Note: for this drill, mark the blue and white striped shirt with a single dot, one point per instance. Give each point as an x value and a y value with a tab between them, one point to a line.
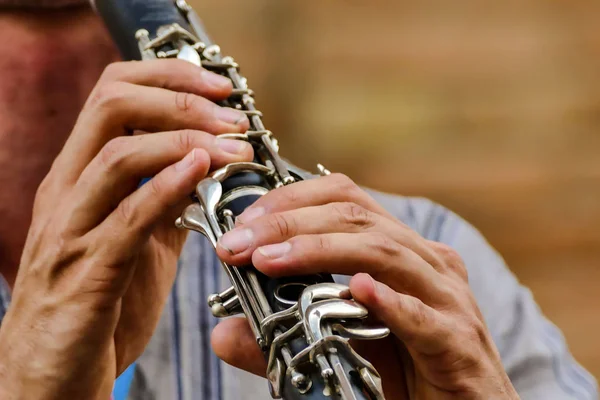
178	364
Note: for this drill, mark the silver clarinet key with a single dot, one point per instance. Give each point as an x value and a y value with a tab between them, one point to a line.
303	324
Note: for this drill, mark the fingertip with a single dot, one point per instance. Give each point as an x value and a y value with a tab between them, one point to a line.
268	266
243	124
227	337
185	174
219	339
202	155
234	149
232	341
247	152
363	289
219	84
201	163
223	253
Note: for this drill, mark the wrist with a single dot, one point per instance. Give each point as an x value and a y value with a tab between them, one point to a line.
44	366
18	383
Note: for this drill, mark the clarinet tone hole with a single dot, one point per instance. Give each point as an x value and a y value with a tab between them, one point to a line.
289	293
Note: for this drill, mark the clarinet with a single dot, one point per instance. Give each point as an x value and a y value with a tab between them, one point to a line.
302	324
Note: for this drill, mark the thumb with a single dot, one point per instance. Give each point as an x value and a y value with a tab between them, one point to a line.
233	342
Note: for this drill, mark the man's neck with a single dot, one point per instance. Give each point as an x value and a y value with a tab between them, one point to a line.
49	65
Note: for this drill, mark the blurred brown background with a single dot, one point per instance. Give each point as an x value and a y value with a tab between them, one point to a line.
490	108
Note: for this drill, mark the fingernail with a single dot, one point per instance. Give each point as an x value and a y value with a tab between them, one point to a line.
274	251
232	146
230	115
236	241
215	80
250	213
186	162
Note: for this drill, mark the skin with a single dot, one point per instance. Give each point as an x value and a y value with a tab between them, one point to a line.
418	288
93	271
35	94
100	255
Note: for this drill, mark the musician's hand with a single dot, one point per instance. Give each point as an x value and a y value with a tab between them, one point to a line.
101	253
418	288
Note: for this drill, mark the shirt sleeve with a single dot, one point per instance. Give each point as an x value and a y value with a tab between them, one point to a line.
533	350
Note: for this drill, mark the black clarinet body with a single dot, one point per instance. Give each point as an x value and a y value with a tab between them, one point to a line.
303	324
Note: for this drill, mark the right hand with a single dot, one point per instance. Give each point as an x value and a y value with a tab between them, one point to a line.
101	253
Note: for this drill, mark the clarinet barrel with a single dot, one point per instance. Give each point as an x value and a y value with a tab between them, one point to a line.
303	324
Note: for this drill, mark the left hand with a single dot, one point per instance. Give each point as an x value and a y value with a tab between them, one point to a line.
101	252
418	288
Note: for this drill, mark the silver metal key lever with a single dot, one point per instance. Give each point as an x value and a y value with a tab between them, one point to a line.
225	304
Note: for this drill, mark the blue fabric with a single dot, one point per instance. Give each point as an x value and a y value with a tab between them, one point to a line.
123	383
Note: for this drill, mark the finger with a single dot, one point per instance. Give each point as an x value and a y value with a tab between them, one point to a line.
349	254
127	107
313	192
412	321
123	107
236	247
173	74
124	161
233	342
130	224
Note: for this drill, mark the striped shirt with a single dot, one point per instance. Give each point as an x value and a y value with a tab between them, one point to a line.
178	364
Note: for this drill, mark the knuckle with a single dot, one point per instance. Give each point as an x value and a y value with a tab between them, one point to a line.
63	247
45	198
343	183
185	102
451	258
156	187
447	252
44	188
114	71
185	140
58	254
323	244
353	214
126	212
108	95
382	243
113	154
419	316
283	225
287	195
161	190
